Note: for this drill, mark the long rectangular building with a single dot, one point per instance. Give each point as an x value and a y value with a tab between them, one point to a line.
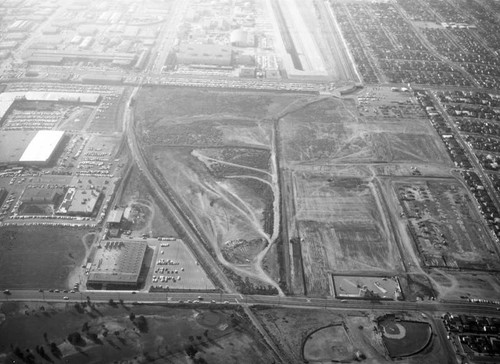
7	99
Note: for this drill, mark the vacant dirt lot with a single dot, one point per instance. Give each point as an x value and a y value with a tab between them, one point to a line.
342	229
160	104
39	257
226	208
332	131
136	192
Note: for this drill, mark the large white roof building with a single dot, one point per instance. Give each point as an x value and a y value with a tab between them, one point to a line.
42	146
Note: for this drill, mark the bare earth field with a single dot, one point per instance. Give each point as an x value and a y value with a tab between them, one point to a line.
228	209
153	102
332	131
40	257
342	229
464	285
333	151
108	335
217	155
136	193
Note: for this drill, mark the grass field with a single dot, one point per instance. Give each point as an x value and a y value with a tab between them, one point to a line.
342	229
171	335
39	257
290	329
328	344
405	338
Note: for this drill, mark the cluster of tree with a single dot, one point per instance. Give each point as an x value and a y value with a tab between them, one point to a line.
140	322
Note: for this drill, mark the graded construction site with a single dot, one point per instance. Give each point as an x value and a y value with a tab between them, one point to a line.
296	192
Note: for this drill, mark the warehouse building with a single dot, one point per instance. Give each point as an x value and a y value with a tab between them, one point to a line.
58	56
205	54
42	147
8	99
29	147
13	144
117	265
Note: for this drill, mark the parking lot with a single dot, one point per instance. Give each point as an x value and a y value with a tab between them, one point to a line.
175	268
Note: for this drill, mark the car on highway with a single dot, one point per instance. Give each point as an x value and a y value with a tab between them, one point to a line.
65	298
6	291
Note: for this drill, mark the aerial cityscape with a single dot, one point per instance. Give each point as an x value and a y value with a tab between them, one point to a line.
250	181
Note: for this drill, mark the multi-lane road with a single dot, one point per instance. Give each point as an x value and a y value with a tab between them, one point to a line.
189	298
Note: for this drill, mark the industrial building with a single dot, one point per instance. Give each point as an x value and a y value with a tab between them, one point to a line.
39	196
205	54
8	99
115	217
79	202
29	148
117	264
42	147
114	221
13	144
57	57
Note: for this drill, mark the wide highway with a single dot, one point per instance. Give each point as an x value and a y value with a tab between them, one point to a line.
229	299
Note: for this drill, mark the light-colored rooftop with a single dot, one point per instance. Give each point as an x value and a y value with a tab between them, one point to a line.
115	216
42	146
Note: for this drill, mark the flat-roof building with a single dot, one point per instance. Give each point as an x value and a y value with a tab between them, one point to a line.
29	147
205	54
7	99
117	264
115	216
80	202
13	144
42	147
